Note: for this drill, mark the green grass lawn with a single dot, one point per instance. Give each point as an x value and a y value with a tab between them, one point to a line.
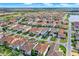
31	34
44	39
37	36
53	39
72	36
6	51
63	40
41	41
63	49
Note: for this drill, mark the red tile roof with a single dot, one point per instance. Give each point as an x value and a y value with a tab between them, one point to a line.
61	31
8	39
41	47
42	23
3	23
15	40
13	20
53	52
17	26
36	29
18	42
27	46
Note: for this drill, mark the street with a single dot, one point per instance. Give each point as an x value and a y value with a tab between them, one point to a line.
68	53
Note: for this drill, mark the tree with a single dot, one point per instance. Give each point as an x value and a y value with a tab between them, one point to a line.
63	48
4	28
19	32
34	52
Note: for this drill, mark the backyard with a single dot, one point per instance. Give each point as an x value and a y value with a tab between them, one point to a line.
6	51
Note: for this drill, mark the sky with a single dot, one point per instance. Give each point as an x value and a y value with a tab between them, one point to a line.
39	5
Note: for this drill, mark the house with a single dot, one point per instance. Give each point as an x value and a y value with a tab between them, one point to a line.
65	22
36	30
3	23
77	35
17	42
1	35
1	38
77	45
65	26
74	53
26	28
13	20
42	48
8	39
54	32
16	26
14	41
27	47
52	51
56	23
76	25
61	34
41	23
44	31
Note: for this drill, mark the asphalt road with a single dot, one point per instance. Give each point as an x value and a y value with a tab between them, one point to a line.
69	41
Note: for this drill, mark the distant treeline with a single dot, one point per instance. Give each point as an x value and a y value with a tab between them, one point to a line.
38	9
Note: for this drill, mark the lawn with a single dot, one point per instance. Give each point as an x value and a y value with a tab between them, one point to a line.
63	40
53	39
44	38
31	34
63	49
37	36
41	41
73	43
32	39
6	51
72	36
